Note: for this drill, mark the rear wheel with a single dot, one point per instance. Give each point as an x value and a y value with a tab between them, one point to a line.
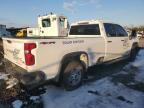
72	75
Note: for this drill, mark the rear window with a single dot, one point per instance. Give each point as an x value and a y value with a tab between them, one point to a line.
92	29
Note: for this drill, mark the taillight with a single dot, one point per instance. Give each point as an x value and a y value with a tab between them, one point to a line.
29	57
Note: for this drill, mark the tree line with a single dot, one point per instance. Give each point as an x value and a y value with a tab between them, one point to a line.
137	28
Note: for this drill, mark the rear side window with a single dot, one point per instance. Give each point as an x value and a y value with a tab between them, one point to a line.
46	23
110	30
92	29
120	31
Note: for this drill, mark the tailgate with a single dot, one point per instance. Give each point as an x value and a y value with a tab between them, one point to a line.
14	51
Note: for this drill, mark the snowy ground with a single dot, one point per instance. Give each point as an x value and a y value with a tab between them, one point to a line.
99	94
124	88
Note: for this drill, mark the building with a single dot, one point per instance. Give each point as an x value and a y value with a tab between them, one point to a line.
3	31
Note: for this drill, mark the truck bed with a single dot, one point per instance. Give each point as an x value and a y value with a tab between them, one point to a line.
49	51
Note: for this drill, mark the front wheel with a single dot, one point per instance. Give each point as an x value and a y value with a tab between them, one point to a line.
133	53
72	75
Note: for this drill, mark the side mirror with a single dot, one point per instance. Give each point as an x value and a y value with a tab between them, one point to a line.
133	34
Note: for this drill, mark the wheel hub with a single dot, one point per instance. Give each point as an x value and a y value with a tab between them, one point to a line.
75	77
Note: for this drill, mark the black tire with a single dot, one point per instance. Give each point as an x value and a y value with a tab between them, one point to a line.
73	74
133	53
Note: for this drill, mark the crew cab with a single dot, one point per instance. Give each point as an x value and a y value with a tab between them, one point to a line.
66	58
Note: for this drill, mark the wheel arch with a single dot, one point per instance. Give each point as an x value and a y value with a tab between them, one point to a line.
135	44
73	56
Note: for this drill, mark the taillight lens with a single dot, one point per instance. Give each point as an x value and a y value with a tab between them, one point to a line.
29	46
29	57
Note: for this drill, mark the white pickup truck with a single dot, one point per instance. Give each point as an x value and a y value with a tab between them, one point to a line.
66	58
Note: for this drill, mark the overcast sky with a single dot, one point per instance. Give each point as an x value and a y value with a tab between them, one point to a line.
18	13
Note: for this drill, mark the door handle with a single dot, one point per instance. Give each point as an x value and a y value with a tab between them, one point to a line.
109	41
122	40
9	41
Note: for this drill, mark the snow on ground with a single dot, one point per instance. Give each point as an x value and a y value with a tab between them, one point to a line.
140	64
17	104
102	93
140	75
3	76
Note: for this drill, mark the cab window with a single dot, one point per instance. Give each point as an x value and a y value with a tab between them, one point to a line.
114	30
120	32
92	29
110	30
46	23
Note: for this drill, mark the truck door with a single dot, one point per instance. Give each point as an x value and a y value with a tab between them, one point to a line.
123	37
45	28
114	47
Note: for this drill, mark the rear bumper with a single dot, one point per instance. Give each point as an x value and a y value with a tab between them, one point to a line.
30	79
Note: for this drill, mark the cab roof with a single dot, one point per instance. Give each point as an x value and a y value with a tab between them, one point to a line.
51	15
85	22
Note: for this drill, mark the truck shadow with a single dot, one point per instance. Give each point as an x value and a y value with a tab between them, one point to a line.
100	71
97	72
119	72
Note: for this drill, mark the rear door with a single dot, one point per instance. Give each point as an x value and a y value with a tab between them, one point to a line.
114	48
